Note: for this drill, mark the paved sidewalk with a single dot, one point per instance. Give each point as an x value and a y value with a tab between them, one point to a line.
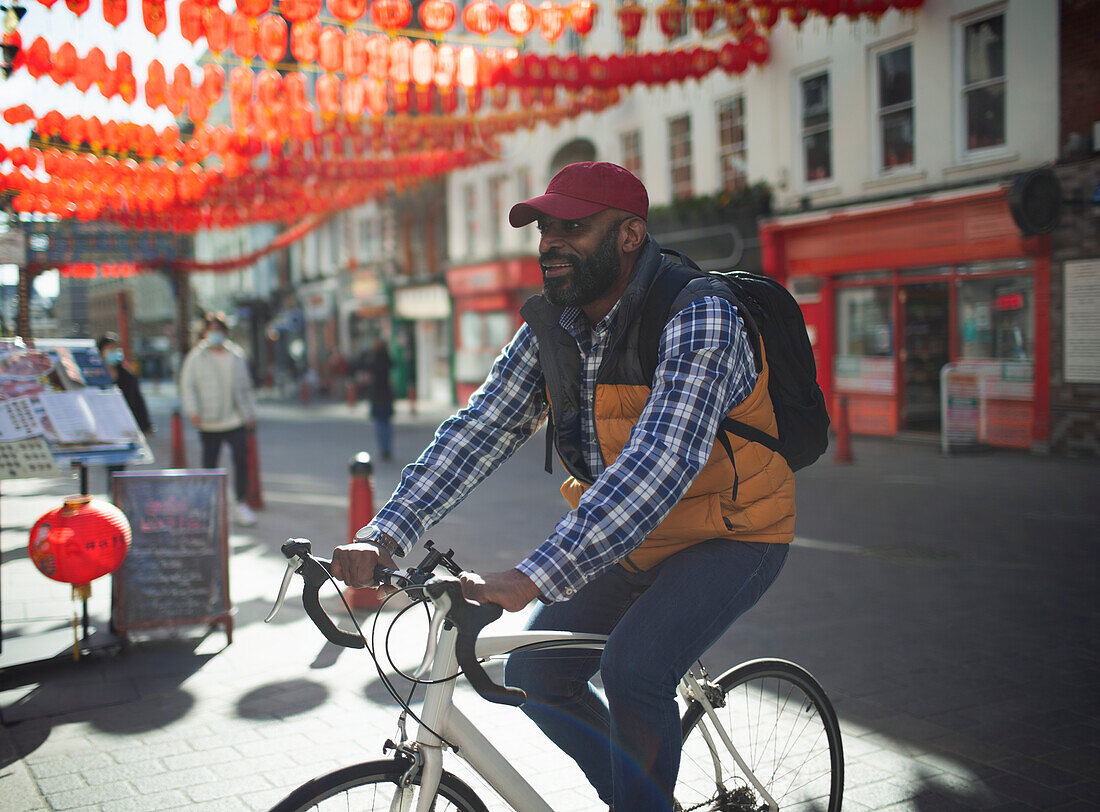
948	605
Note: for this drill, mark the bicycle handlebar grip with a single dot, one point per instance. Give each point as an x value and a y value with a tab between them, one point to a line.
470	618
315	573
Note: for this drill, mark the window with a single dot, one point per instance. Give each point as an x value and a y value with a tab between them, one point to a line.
496	211
523	183
679	156
865	322
731	143
895	107
983	83
817	145
632	152
469	211
995	318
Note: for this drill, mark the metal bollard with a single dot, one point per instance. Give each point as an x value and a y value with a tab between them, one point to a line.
179	453
352	394
303	393
843	433
360	511
255	496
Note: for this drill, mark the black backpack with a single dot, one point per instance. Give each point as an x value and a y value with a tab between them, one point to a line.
771	315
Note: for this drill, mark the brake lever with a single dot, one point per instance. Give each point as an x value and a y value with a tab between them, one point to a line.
315	573
290	570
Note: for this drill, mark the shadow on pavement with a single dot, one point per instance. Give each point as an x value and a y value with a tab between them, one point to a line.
278	700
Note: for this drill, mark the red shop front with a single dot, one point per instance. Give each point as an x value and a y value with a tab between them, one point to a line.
894	292
487	299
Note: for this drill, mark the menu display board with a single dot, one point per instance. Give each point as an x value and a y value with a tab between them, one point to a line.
59	393
177	570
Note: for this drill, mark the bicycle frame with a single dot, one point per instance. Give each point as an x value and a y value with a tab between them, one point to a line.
440	714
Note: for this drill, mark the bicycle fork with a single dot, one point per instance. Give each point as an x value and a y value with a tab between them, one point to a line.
693	690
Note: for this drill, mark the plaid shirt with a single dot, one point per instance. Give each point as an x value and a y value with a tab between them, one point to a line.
705	368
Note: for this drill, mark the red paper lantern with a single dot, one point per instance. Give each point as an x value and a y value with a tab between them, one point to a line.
391	15
191	16
80	541
253	8
582	16
244	35
438	16
154	15
347	11
331	49
518	18
481	17
355	53
328	95
378	56
704	15
272	34
305	41
670	18
299	11
422	65
114	11
215	23
552	18
77	7
631	15
401	62
353	97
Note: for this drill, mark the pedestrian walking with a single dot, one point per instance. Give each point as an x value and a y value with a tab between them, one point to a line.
114	358
378	373
217	397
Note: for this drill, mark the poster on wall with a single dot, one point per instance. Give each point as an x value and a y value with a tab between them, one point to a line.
1082	330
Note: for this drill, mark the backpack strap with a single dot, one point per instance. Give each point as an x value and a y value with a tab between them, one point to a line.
750	433
670	280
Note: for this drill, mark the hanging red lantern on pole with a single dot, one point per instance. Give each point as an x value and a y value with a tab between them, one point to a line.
355	53
215	23
391	15
670	18
154	15
77	7
481	16
253	8
378	56
631	16
348	11
272	37
704	15
438	16
305	41
582	16
299	11
114	11
328	96
518	18
191	14
80	541
552	19
331	49
244	36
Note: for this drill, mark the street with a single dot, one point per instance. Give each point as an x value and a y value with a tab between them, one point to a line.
946	604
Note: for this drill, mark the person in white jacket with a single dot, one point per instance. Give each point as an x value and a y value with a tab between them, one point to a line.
217	397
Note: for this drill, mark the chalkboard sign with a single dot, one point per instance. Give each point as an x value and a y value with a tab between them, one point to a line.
177	570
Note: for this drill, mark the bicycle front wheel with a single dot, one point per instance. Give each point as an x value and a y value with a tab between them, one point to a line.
785	729
375	787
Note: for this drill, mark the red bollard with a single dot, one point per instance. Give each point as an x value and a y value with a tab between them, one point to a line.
360	511
255	496
843	433
412	399
179	455
352	395
303	393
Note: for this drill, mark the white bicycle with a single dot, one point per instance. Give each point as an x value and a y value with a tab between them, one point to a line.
762	736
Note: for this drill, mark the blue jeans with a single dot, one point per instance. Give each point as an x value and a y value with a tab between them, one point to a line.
659	623
383	435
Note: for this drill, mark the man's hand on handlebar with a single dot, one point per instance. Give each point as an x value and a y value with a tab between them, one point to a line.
511	589
354	564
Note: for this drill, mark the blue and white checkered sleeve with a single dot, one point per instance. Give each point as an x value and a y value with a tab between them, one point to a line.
502	414
705	369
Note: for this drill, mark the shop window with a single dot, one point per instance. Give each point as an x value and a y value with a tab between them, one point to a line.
865	322
632	152
482	336
817	148
469	211
983	83
679	156
731	143
996	318
895	107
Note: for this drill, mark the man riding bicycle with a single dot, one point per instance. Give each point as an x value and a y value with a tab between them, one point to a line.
669	537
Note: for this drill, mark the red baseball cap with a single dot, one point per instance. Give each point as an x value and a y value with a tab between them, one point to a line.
582	189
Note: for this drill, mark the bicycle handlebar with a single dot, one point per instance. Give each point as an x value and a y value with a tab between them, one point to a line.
445	592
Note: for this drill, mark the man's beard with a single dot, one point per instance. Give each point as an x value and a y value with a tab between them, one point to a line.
592	275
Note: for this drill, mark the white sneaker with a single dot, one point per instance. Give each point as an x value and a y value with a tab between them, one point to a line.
245	517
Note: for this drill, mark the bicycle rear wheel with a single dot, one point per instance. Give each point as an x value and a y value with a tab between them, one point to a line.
783	726
374	787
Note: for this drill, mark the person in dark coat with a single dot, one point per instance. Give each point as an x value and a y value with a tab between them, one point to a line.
114	357
378	367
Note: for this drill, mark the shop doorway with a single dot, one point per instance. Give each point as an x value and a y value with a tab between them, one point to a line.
925	328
